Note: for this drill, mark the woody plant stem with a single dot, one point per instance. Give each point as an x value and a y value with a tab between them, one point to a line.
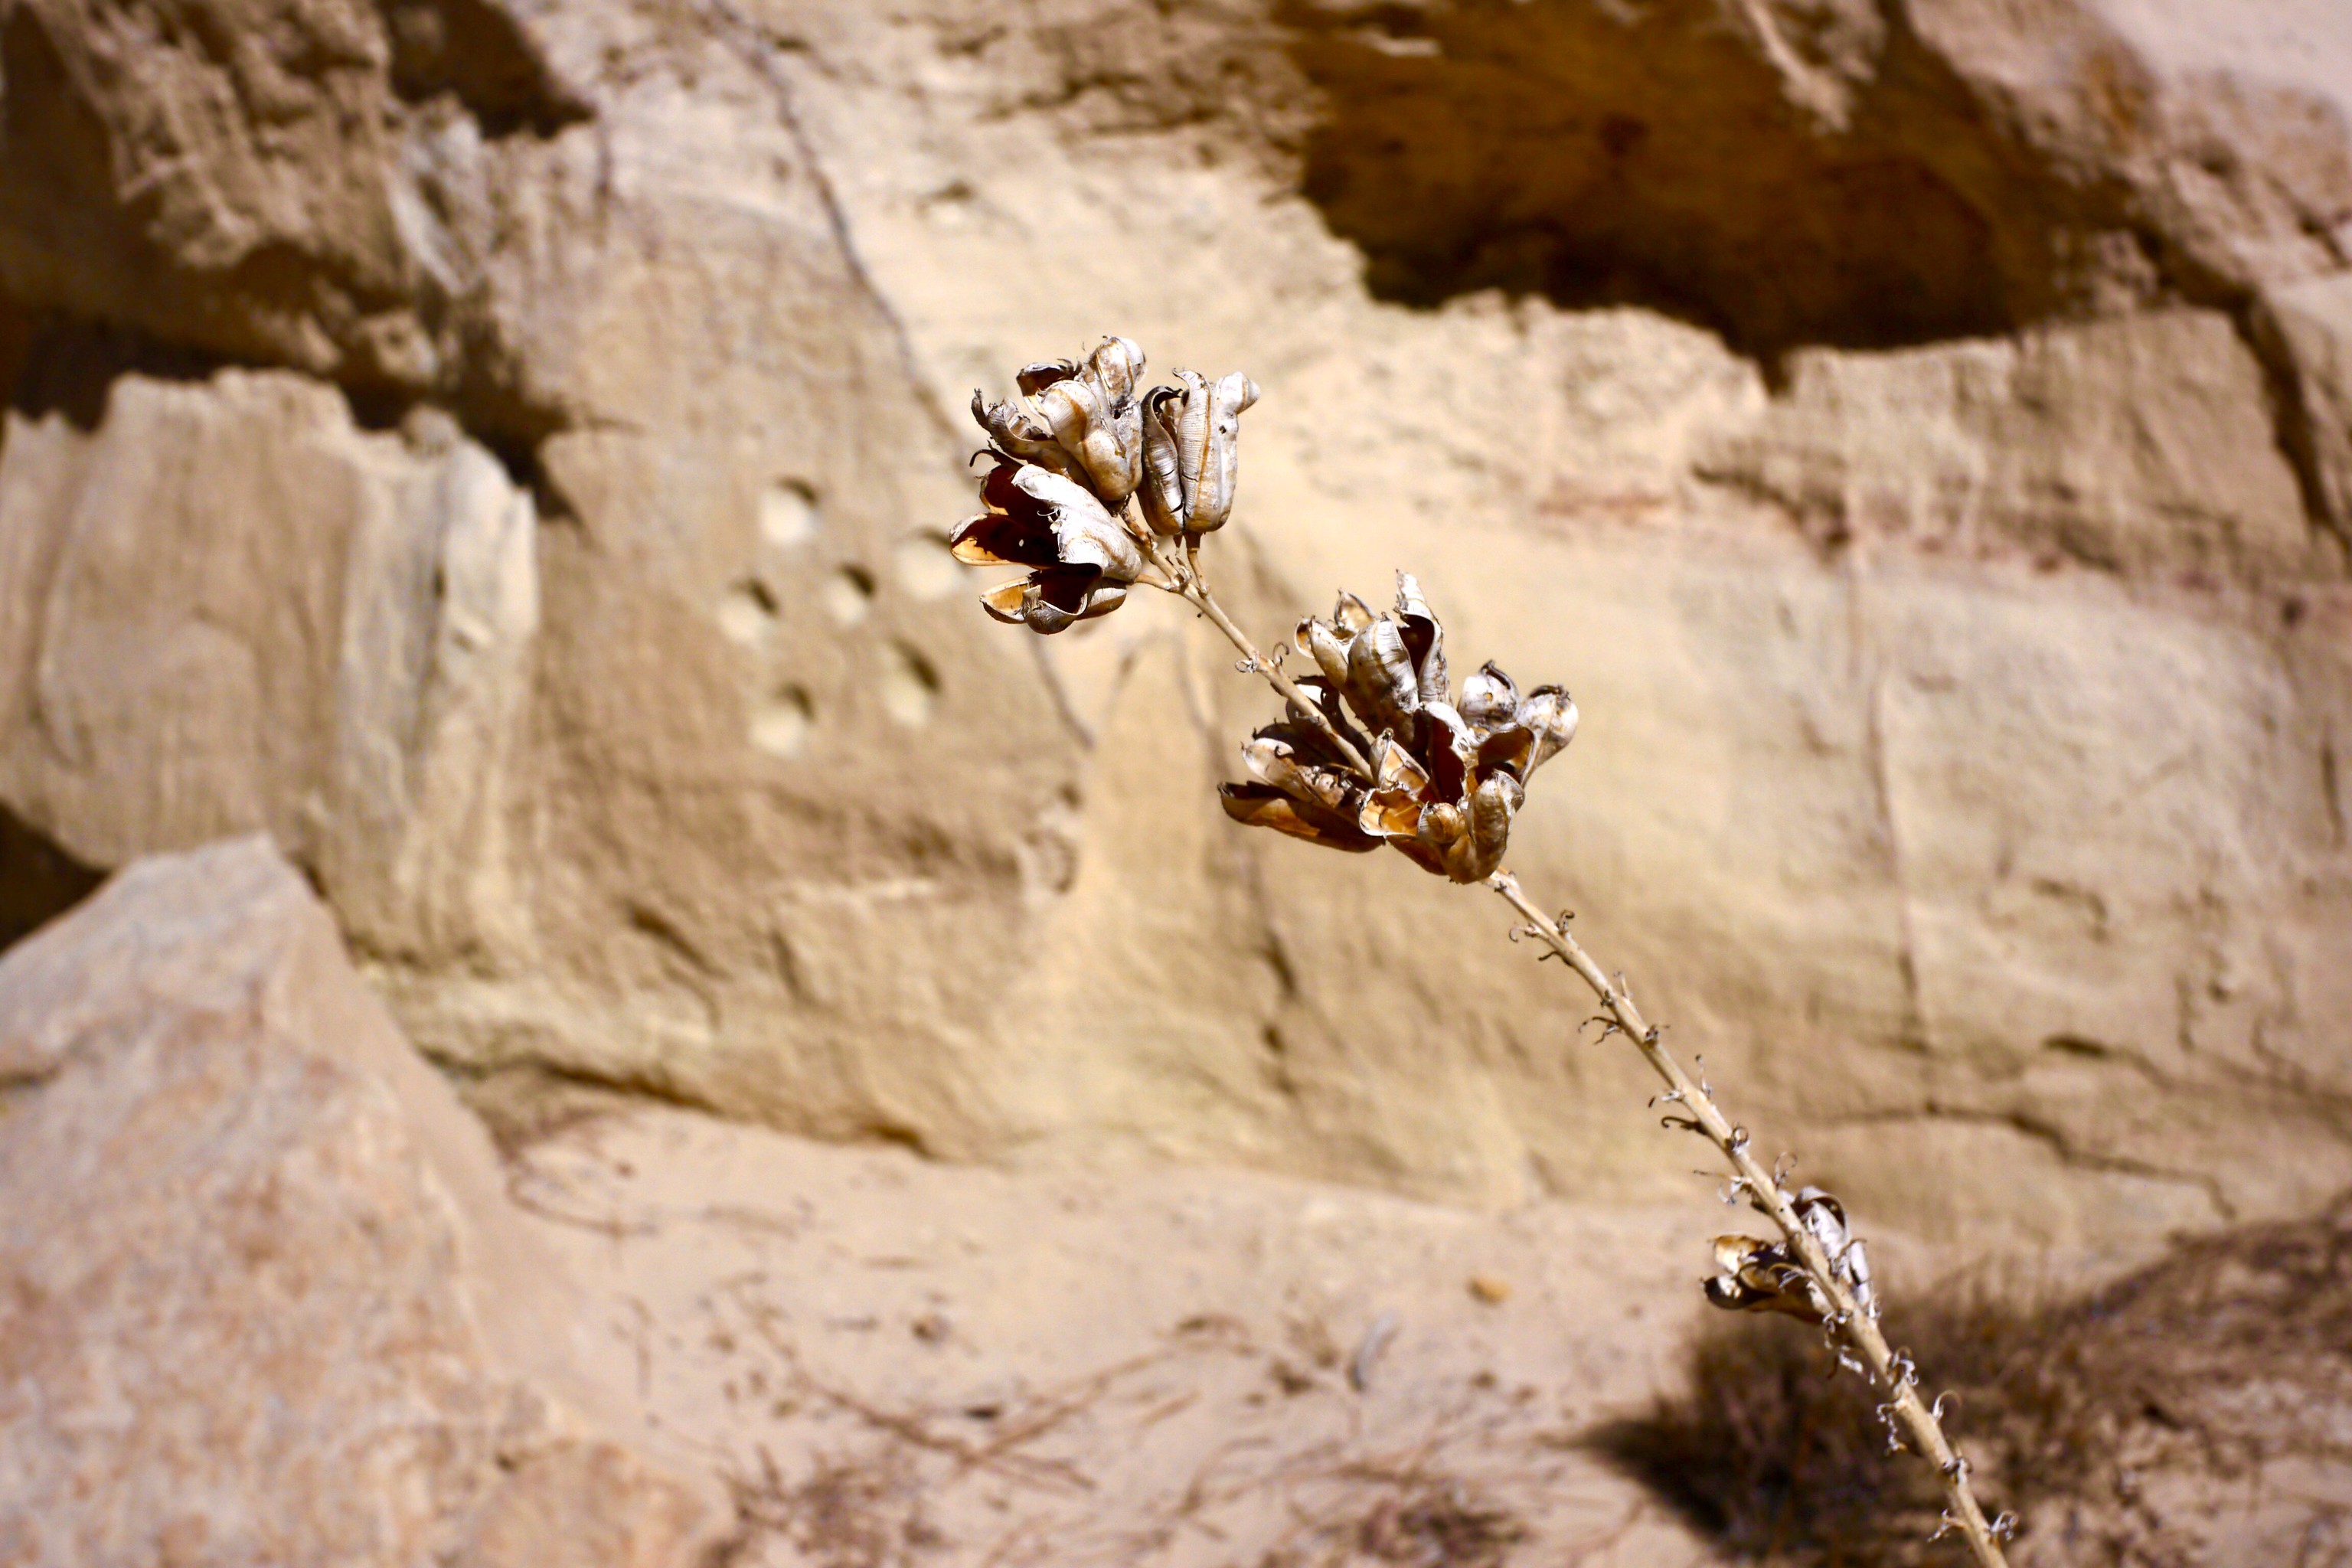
1855	1326
1847	1319
1184	581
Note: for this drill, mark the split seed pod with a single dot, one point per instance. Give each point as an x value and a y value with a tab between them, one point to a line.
1080	556
1191	442
1754	1276
1490	698
1016	431
1303	787
1079	419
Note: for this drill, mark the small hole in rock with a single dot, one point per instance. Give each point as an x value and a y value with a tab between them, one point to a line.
925	568
748	614
848	594
781	724
788	514
911	687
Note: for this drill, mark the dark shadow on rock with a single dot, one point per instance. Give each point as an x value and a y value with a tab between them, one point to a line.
51	364
16	342
475	51
68	367
38	879
1607	155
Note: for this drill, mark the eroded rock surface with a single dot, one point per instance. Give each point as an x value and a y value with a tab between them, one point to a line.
312	183
1855	173
262	1294
1917	433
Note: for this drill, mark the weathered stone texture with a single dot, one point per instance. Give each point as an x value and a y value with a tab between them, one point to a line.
300	181
1917	433
262	1298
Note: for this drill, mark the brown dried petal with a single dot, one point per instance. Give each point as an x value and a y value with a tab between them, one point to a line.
1017	528
1013	431
1755	1276
1443	830
1394	768
1262	805
1277	762
1034	378
1006	601
1065	597
1305	740
1400	790
1115	367
1424	639
1327	703
1392	817
1085	427
1450	753
1084	533
1736	1259
1381	686
1186	411
1210	496
1056	599
1162	484
1492	806
1350	614
1505	751
1001	539
1490	698
1550	714
1323	642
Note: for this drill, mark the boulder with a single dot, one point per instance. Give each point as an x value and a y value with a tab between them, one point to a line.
266	1299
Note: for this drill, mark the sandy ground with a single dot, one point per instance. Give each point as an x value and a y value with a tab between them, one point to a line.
894	1361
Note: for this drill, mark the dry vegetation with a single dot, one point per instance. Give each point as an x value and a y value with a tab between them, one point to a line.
2197	1412
873	1502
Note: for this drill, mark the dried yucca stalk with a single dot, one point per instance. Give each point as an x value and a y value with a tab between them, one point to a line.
1380	747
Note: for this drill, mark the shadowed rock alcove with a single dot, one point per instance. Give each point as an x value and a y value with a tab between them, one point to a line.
38	879
1840	187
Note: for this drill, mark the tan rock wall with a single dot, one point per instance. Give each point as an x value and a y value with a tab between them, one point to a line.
245	614
1963	712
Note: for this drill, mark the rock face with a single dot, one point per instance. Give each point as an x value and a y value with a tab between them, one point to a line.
1853	172
265	1299
512	473
303	182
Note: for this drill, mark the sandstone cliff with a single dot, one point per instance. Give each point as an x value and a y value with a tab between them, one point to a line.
500	448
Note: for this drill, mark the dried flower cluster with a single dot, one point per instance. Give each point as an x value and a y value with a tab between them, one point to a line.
1094	486
1447	777
1070	452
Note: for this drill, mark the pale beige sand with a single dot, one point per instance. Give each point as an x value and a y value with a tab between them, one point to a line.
1145	1365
